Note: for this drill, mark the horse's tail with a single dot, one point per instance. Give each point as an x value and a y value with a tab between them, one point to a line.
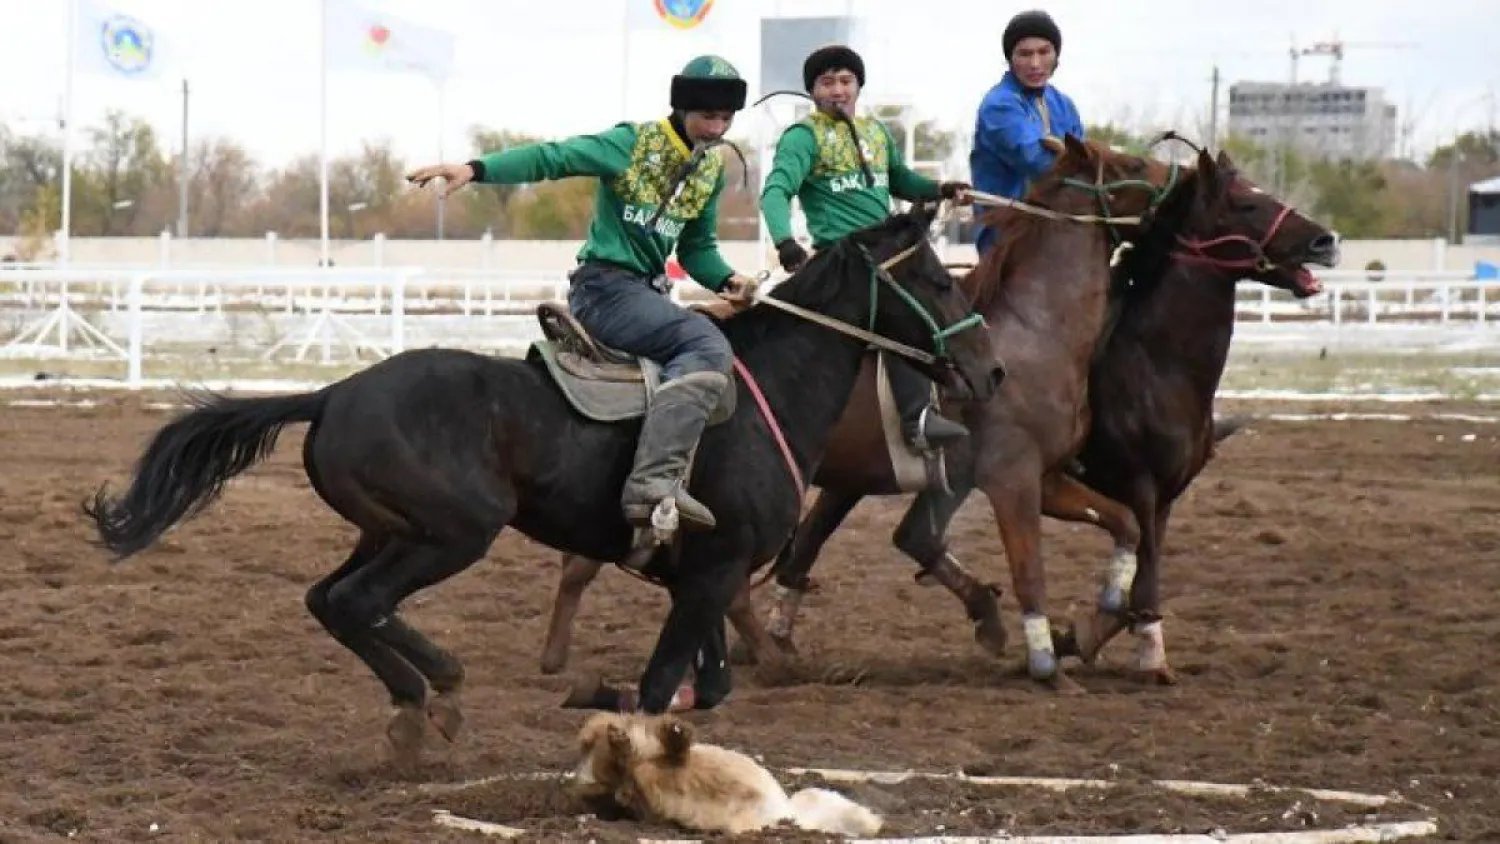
187	463
1227	426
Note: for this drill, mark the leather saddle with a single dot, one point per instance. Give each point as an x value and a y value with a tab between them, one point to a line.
579	354
603	383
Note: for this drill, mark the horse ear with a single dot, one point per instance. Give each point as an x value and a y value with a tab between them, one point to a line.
1077	147
1208	175
1225	163
1053	145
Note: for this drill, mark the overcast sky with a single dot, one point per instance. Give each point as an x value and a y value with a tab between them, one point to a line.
555	68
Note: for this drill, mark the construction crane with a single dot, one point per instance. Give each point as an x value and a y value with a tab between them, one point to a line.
1334	48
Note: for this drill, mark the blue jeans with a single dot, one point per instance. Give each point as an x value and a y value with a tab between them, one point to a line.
623	311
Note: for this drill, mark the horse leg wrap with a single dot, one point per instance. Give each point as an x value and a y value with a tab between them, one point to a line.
783	613
1117	584
1151	647
1041	661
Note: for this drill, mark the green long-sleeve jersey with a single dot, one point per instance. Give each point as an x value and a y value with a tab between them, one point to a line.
634	163
817	161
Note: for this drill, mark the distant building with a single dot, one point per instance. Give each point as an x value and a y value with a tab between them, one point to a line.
1484	212
1320	120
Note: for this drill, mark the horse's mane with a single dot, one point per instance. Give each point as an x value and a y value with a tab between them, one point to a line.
986	282
819	281
1151	257
1140	268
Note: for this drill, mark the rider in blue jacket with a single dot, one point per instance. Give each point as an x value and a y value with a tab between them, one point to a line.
1020	110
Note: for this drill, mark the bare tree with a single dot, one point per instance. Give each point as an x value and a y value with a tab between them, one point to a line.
223	182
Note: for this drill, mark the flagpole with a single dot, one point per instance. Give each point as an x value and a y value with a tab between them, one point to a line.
323	129
67	135
442	83
625	61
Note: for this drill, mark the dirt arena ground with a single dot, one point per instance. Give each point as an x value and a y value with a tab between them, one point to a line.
1331	589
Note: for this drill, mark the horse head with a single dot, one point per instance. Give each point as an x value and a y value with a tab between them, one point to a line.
1235	225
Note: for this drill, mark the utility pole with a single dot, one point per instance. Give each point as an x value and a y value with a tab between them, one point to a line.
182	169
1453	191
1213	110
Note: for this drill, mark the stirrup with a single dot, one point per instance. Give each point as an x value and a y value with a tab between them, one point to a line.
922	442
659	530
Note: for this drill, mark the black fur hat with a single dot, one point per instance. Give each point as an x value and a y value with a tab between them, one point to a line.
708	83
832	57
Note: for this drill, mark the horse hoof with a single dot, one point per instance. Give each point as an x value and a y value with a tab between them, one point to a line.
1160	676
1082	641
1042	665
590	692
989	631
1111	599
1064	685
553	663
991	637
1065	644
445	715
1094	632
406	732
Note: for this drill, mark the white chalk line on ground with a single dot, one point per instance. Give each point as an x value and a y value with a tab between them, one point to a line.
1393	397
1386	831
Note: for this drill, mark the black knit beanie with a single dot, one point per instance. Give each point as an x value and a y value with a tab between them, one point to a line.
832	57
1032	24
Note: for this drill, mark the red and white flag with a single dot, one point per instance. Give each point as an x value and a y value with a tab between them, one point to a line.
357	37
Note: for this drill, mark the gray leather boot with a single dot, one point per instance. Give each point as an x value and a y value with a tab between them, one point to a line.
675	420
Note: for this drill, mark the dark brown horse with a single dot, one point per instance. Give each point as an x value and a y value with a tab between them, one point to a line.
1044	291
1151	393
1150	399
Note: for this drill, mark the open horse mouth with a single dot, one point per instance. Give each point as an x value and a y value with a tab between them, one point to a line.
1304	283
1321	252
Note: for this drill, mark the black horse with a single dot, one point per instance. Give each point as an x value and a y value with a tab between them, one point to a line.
432	452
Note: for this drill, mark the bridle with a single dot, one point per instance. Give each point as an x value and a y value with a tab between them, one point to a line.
1104	191
1258	261
1101	189
880	276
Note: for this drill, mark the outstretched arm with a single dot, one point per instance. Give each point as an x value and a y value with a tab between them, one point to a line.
603	155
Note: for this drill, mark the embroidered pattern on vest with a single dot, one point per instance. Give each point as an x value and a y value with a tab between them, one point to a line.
654	160
838	160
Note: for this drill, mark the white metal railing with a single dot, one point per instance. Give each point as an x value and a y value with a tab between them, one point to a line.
121	313
358	309
1411	299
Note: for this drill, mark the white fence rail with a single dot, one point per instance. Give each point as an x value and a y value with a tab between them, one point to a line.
133	316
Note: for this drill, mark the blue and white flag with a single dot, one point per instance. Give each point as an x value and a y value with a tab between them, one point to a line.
113	42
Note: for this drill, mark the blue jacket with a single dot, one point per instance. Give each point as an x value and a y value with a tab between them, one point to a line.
1007	152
